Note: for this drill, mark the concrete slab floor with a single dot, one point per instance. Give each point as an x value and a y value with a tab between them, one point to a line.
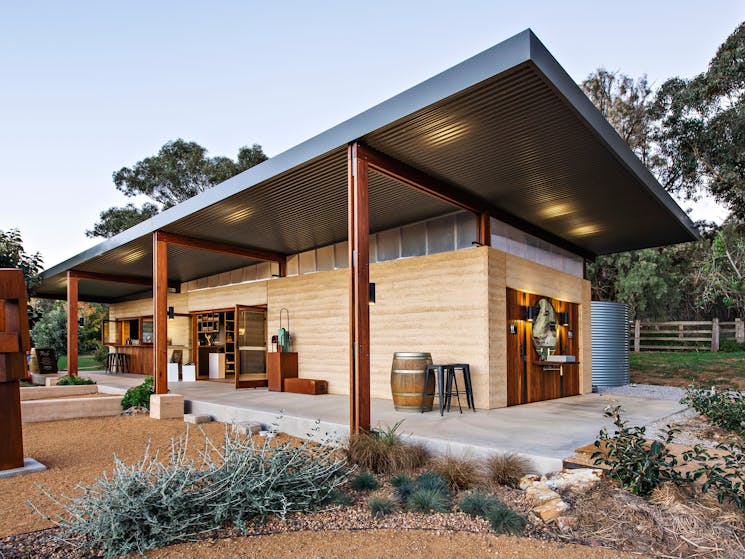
547	432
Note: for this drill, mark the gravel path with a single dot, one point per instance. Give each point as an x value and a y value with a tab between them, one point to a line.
648	391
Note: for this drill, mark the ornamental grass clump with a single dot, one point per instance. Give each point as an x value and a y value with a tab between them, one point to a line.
479	503
459	472
381	506
504	520
364	481
427	500
194	492
383	451
507	468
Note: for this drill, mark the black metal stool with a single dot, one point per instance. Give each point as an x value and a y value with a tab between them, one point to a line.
117	363
451	378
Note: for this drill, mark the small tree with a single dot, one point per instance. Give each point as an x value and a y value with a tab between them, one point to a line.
721	274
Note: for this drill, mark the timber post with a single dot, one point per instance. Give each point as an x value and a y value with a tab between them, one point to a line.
72	324
739	331
637	335
715	335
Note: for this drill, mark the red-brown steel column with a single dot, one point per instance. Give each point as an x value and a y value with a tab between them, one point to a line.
160	318
72	325
484	226
359	293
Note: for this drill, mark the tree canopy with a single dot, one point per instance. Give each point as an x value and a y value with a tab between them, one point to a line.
13	255
179	171
701	131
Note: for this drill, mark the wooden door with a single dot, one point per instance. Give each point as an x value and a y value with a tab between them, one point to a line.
250	348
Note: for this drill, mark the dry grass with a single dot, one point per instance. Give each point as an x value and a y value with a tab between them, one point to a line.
459	472
507	468
674	522
385	455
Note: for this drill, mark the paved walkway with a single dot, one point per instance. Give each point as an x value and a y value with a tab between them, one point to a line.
546	431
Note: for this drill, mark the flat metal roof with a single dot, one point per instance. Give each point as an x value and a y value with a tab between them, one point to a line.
507	125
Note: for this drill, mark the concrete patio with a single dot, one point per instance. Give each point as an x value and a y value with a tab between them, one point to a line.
547	432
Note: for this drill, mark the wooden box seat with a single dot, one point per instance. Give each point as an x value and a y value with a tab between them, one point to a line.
310	386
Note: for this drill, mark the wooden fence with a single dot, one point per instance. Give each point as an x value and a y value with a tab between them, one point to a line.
684	335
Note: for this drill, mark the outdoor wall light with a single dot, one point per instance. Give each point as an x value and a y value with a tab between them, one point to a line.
81	321
171	314
372	294
529	313
564	318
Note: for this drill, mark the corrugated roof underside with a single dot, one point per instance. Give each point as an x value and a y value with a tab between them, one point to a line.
516	143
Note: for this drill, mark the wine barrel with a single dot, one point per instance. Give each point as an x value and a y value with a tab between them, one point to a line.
413	390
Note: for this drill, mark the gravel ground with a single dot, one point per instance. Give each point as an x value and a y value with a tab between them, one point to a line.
77	451
648	391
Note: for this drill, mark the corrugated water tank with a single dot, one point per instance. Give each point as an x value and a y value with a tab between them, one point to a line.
610	344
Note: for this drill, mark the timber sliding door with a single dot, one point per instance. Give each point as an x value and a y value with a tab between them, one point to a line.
251	335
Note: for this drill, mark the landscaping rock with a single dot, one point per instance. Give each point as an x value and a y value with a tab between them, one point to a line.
550	510
247	427
575	479
539	493
566	523
197	419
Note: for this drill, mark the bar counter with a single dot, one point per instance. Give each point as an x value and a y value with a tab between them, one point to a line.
139	357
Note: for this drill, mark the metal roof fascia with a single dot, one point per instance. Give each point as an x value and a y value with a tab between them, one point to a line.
577	99
499	58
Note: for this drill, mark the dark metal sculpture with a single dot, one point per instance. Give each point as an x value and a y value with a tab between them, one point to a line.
14	343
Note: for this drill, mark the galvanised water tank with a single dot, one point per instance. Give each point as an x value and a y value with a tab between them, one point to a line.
610	344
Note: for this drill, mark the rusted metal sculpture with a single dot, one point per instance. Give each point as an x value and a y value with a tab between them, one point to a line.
14	343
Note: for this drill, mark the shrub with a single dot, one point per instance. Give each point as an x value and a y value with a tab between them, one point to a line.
427	500
340	498
139	395
383	451
364	481
724	474
639	465
723	408
459	473
479	503
432	481
404	486
381	506
152	503
507	468
504	520
101	353
76	380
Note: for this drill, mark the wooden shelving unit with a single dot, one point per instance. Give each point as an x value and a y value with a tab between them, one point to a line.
220	327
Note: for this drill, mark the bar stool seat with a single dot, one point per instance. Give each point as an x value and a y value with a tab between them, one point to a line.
444	381
117	363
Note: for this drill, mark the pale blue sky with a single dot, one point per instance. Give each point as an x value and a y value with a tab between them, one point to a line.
88	87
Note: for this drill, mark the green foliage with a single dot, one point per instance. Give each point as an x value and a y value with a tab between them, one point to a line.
153	504
427	500
364	481
403	486
340	498
139	395
50	330
13	255
76	380
383	451
101	353
639	465
701	130
179	171
381	506
432	481
479	503
724	474
721	274
508	468
723	408
115	220
506	521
